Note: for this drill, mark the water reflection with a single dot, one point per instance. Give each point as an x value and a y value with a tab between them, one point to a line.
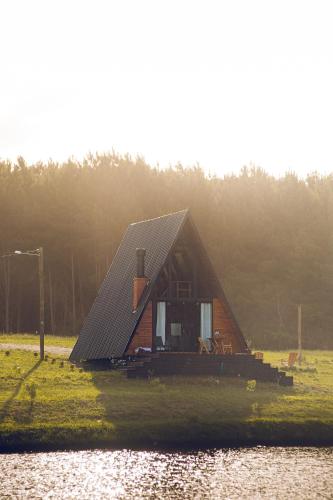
274	473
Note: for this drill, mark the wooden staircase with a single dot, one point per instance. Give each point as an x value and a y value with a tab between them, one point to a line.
232	365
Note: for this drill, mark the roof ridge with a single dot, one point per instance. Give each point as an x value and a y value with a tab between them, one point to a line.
184	211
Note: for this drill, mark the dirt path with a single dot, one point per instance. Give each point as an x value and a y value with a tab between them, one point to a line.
52	349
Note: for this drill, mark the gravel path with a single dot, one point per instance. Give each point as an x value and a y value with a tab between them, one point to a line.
52	349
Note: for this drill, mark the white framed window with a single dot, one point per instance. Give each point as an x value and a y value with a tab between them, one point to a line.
206	313
161	321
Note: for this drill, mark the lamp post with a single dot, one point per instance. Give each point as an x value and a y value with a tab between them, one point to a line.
40	254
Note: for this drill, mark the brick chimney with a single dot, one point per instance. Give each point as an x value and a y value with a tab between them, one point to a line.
140	281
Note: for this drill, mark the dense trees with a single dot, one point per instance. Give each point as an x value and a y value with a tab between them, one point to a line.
271	240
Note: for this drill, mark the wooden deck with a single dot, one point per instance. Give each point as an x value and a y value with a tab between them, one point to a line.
191	363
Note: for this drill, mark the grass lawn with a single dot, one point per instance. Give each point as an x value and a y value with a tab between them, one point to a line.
30	338
74	408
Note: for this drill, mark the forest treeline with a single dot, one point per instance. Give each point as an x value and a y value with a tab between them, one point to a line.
271	240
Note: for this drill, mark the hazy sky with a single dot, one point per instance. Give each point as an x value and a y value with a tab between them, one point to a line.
221	83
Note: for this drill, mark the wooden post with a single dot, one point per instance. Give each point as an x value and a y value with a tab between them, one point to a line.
73	298
299	332
6	268
41	302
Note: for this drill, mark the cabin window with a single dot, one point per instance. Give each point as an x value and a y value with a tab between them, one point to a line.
176	329
160	321
181	289
206	320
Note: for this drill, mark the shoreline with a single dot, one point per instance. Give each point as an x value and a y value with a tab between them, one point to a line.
54	405
167	436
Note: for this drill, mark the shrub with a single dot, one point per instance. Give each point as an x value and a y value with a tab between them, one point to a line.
7	353
251	385
255	408
213	381
32	392
154	381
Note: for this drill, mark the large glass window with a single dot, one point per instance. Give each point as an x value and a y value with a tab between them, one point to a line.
160	321
206	320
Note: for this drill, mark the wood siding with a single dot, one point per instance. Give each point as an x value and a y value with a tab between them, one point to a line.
143	335
225	324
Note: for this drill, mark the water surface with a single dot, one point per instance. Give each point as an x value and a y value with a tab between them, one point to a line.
262	472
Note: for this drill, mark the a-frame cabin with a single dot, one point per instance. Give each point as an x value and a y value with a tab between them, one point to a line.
161	295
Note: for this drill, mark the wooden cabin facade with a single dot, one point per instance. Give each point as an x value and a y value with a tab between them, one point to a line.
186	303
161	296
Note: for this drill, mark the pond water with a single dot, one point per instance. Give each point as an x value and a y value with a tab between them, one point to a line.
262	472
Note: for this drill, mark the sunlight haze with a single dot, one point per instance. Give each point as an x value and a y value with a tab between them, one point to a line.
222	84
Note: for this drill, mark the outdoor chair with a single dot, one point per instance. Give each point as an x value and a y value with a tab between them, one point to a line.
217	344
221	344
227	345
292	358
203	346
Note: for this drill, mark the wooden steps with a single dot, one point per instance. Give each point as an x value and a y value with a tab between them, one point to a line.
232	365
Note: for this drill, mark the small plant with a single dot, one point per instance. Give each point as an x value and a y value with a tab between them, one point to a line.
254	408
81	370
32	392
72	367
213	381
154	381
46	357
251	385
7	353
309	369
35	354
53	361
62	364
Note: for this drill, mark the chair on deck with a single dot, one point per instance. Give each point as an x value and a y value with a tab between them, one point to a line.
203	346
227	345
217	342
217	346
221	343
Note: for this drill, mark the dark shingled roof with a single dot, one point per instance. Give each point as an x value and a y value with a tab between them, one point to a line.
110	323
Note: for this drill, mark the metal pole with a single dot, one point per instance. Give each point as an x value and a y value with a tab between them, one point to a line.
73	298
299	331
41	301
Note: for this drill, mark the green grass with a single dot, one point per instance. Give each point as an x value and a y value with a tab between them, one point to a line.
30	338
74	408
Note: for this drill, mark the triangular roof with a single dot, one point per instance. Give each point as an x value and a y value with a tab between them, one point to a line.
111	322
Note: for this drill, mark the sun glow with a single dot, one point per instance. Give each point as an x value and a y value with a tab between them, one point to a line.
218	83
